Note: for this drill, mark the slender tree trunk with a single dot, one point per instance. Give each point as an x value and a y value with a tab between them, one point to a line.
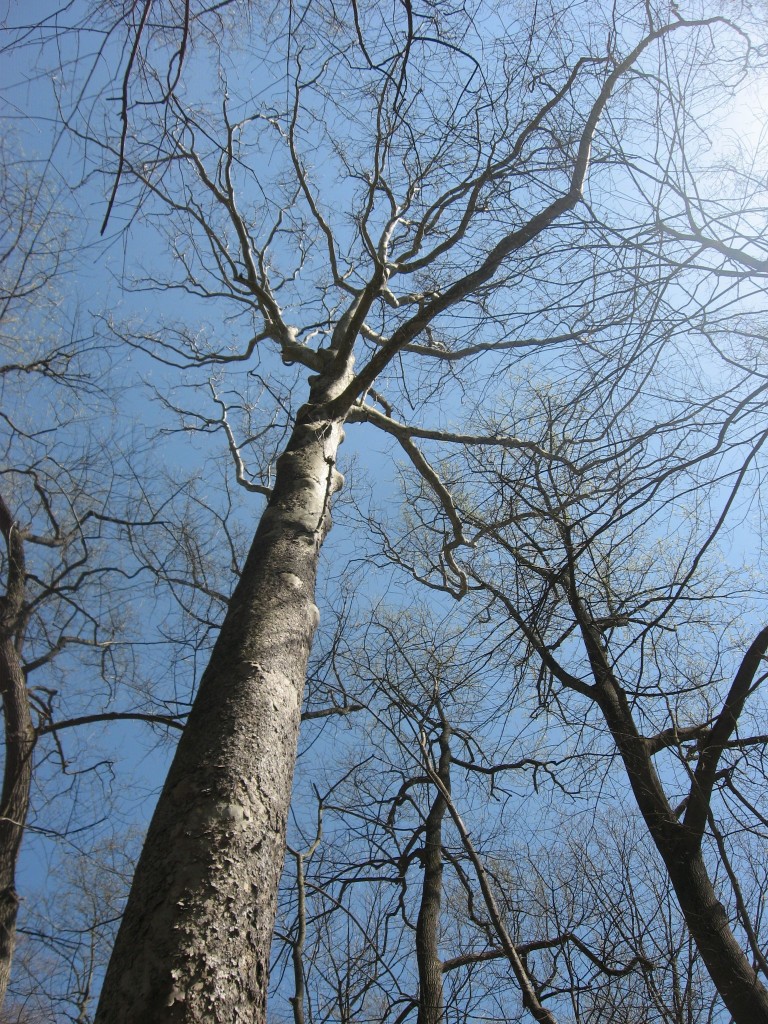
297	951
428	924
14	804
195	940
738	983
19	741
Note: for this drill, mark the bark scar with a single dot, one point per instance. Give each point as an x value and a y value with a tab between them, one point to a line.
329	459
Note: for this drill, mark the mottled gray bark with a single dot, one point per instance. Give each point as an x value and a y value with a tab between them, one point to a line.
19	741
195	939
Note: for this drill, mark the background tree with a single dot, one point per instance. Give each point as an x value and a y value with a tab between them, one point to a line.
581	895
31	258
602	555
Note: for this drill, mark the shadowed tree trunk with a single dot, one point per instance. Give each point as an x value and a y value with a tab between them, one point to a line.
680	847
428	923
567	550
679	843
19	742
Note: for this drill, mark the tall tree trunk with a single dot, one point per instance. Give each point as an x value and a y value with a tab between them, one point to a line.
19	742
428	924
195	940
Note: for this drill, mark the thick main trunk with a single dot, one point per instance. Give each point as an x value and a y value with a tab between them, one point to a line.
195	939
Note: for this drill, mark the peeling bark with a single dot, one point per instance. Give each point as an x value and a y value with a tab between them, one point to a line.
195	940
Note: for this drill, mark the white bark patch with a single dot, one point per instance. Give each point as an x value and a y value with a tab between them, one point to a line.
218	813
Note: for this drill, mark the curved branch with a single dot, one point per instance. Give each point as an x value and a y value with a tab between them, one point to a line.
725	724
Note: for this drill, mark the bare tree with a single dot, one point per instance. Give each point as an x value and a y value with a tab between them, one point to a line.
602	556
465	159
67	928
528	885
30	259
19	742
384	200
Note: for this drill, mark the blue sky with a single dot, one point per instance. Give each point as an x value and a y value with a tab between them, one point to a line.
99	287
